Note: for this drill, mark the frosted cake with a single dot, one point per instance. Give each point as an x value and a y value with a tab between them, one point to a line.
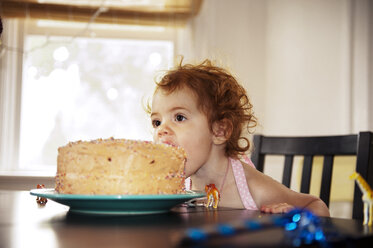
120	166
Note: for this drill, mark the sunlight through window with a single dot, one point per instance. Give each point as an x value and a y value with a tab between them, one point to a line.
84	89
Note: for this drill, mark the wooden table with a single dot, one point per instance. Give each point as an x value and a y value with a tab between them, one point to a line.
25	224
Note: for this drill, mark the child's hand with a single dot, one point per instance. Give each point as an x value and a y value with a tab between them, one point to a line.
277	208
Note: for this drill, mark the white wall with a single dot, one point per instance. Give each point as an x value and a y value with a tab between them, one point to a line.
304	63
231	33
308	67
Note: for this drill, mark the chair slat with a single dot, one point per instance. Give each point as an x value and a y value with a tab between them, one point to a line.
256	157
326	179
306	174
288	169
260	164
342	145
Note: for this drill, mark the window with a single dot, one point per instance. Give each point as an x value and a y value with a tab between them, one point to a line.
82	87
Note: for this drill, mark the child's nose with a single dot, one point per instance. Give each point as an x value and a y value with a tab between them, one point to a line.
164	129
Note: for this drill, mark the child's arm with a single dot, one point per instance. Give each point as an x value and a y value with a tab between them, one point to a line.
273	197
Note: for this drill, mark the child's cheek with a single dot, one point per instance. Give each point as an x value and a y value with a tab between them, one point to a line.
191	167
188	170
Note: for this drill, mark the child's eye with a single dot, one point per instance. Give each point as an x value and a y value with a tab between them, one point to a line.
180	117
156	123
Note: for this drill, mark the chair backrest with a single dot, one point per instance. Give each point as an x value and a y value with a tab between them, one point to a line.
360	145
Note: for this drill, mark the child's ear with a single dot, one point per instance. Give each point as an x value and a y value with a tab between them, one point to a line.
222	131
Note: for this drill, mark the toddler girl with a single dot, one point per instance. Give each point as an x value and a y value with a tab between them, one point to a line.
204	110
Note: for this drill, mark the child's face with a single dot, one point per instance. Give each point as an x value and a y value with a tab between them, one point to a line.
178	121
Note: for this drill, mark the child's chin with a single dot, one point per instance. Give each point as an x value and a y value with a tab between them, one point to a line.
187	172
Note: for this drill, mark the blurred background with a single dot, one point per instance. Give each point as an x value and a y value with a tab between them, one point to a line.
80	70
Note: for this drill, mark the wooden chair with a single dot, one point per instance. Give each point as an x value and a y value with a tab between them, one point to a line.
360	145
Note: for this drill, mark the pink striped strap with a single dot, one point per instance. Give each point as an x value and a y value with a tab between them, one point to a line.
243	188
188	183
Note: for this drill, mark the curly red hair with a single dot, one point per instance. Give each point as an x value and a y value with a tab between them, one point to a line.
219	96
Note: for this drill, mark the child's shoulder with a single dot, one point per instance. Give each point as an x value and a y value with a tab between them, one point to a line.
250	170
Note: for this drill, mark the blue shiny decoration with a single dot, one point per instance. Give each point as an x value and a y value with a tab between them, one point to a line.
253	225
225	229
303	227
290	226
319	235
279	221
296	217
309	238
196	234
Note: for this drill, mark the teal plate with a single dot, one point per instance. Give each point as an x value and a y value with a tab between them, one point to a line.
117	204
